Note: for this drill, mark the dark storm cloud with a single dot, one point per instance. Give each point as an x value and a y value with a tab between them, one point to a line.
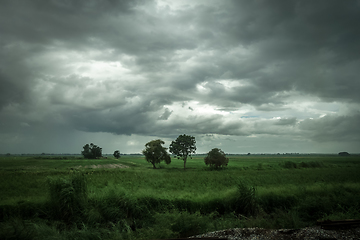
15	75
9	92
126	67
42	21
333	128
302	45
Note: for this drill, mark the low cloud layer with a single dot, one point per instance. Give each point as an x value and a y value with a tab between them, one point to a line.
139	70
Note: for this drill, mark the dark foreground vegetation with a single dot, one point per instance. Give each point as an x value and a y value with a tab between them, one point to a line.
54	198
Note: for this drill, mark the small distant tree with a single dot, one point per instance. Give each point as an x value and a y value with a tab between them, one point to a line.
117	154
155	153
344	154
91	151
183	147
216	158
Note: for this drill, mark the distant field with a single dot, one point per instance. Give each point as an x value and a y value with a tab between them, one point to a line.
24	178
285	191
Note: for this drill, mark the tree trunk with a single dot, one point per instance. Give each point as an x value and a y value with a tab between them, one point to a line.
184	158
154	165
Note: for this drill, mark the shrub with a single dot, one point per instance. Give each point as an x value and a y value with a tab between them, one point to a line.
216	158
118	208
311	164
271	202
68	197
289	164
187	224
314	207
245	201
16	229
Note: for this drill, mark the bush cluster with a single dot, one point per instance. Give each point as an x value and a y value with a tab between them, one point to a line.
91	151
216	158
313	164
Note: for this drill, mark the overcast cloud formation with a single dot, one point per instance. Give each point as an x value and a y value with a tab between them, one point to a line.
244	76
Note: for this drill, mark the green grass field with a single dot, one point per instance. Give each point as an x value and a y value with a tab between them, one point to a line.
43	197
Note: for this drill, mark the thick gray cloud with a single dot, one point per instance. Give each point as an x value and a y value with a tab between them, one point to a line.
333	128
285	70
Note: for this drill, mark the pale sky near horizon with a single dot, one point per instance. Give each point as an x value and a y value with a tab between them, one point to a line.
244	76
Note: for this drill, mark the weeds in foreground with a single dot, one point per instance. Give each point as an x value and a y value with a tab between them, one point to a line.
16	228
68	198
245	201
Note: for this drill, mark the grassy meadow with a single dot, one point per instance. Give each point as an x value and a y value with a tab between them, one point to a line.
49	197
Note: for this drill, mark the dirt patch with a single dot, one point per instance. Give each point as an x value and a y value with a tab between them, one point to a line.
311	233
102	166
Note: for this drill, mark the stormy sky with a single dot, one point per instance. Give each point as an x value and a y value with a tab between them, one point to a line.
244	76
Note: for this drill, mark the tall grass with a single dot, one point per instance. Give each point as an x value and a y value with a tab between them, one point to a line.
245	201
17	228
68	198
141	203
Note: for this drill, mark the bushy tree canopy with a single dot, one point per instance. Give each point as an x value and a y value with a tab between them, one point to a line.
216	158
155	153
92	151
183	147
117	154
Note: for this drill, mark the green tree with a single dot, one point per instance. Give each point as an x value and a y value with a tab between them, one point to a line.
216	158
117	154
92	151
155	153
183	147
